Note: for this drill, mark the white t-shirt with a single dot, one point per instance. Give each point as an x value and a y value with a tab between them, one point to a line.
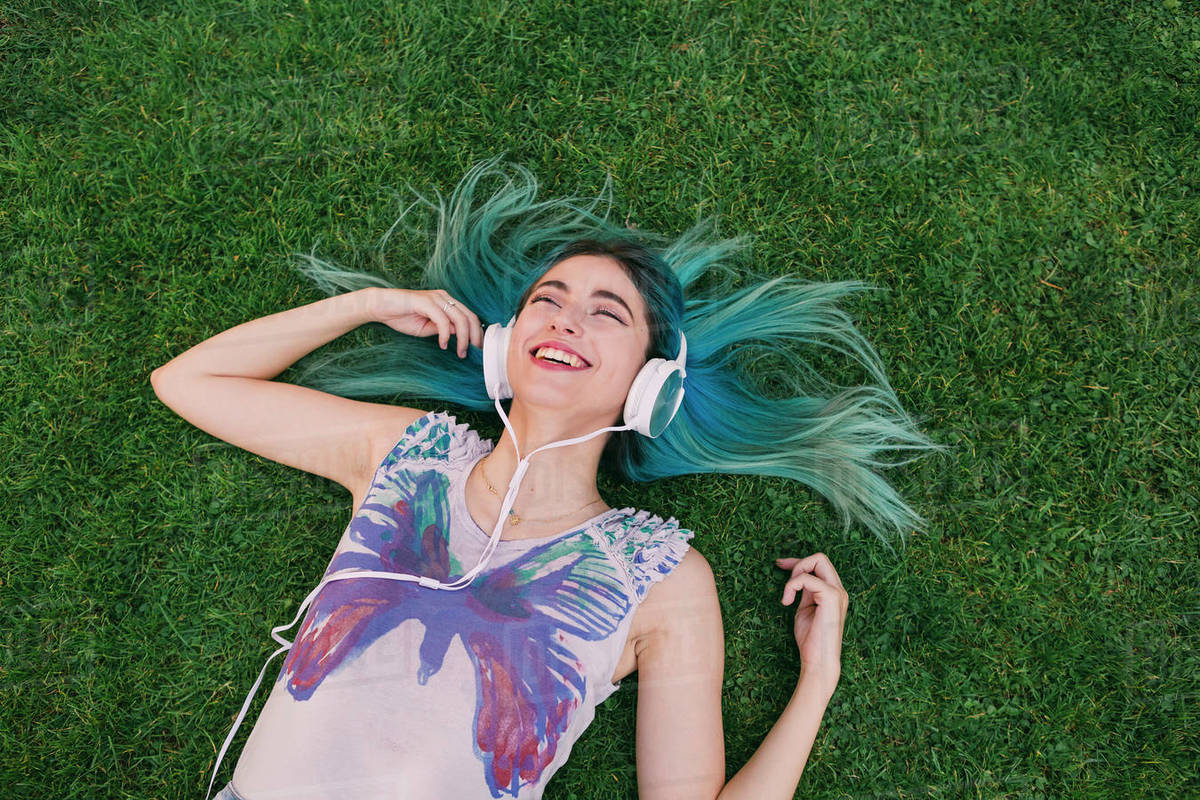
394	690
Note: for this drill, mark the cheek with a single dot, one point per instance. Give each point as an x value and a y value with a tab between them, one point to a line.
625	369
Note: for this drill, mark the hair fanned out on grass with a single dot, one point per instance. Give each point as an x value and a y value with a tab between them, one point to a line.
487	251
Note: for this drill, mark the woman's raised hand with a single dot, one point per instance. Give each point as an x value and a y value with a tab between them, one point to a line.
419	312
820	616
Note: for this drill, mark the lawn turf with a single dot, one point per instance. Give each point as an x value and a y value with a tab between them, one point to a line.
1019	177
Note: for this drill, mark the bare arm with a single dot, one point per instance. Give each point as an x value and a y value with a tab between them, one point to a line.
264	347
681	666
680	740
775	768
223	385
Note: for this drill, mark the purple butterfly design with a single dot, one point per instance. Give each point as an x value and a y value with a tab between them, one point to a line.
512	620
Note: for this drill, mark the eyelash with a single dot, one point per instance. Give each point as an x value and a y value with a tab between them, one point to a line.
611	313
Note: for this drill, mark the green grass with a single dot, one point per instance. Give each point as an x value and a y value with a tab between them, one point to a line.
1020	176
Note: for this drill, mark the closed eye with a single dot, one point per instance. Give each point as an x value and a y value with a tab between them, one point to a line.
612	314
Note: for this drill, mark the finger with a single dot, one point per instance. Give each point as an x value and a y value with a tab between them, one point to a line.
794	586
462	328
467	328
814	593
476	331
471	328
827	602
437	315
819	564
805	580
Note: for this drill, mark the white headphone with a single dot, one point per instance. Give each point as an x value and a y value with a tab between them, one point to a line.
653	399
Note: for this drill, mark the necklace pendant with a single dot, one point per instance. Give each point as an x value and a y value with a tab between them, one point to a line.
513	518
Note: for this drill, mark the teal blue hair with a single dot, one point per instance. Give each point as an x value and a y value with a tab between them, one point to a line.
488	253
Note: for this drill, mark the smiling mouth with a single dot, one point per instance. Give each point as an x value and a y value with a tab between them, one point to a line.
551	356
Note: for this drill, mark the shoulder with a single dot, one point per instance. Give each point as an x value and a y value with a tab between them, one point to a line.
690	585
693	572
681	610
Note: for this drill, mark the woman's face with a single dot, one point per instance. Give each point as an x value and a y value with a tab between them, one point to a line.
584	309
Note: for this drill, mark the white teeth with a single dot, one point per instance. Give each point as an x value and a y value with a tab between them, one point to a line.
558	355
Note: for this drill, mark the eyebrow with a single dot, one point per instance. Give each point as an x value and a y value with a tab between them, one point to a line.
598	293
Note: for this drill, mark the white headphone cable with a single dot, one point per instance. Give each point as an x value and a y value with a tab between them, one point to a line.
462	582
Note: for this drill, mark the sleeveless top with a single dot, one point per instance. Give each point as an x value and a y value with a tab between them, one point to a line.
395	690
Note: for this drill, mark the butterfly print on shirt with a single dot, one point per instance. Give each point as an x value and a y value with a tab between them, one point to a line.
511	620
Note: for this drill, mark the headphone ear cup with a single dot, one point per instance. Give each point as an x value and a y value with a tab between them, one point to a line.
654	397
633	402
495	360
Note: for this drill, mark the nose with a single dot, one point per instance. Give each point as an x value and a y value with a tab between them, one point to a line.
564	320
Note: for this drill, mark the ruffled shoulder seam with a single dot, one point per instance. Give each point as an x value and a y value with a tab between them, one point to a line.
438	436
648	546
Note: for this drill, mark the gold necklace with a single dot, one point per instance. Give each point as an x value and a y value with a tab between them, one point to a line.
513	519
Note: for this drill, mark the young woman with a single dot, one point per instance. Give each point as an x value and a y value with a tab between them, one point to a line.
484	599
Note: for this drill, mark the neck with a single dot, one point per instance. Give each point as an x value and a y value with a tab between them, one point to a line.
558	480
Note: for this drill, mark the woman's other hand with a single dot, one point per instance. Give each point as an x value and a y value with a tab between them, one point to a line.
820	615
426	312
